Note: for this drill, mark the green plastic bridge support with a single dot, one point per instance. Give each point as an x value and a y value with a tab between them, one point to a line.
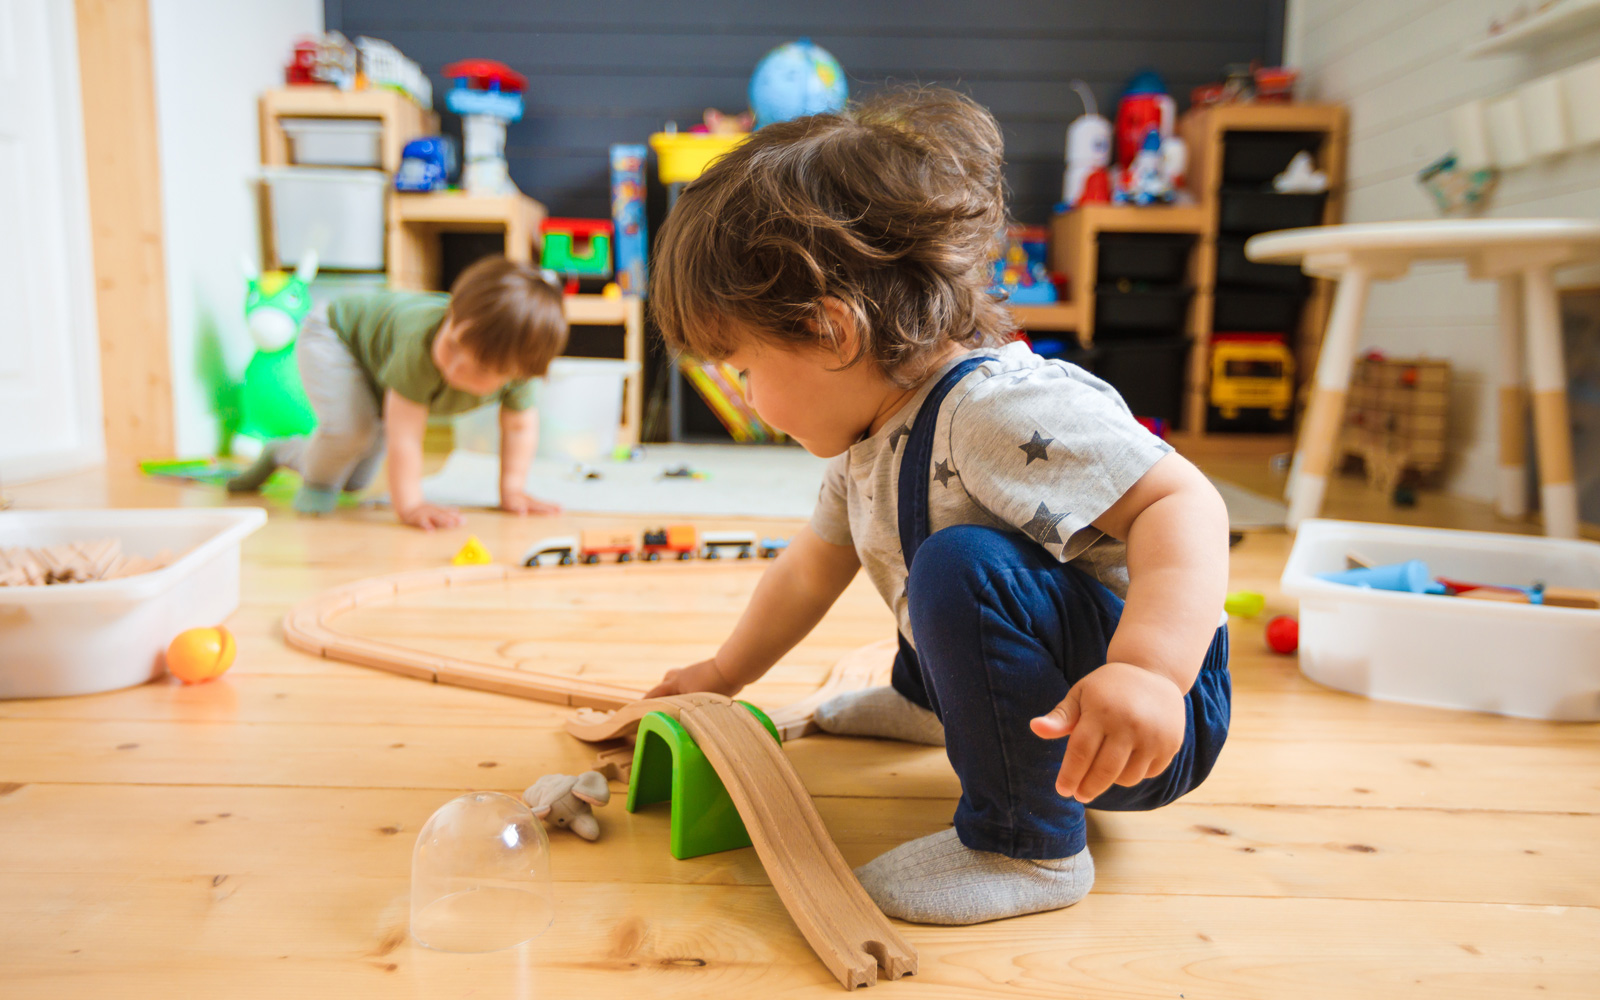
668	764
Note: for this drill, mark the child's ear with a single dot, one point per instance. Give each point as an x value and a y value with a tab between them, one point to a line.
842	334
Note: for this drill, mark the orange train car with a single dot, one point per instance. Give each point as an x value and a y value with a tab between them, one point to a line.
678	539
594	544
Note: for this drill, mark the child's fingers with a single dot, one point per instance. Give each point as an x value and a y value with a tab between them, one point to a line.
1108	764
1081	751
1057	722
1135	771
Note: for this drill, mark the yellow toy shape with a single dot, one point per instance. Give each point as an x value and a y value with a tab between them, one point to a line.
472	554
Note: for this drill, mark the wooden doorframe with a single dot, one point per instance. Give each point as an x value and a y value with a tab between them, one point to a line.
123	168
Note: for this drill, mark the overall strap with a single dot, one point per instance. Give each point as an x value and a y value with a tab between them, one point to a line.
916	459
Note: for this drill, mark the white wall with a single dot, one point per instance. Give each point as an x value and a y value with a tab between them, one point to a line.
212	60
1398	64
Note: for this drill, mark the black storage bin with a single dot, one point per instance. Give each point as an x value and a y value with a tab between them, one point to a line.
1250	158
1241	310
1234	268
1148	373
1140	309
1250	212
1158	257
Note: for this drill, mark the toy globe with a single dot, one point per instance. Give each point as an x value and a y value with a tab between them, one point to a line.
794	79
480	876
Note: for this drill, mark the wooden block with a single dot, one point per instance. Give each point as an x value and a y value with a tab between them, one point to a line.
1572	597
1494	594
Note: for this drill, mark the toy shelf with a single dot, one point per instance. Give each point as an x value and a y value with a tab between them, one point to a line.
1074	245
402	118
628	313
1563	20
416	220
1206	131
1056	317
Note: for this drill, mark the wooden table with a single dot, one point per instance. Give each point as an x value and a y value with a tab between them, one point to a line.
1522	255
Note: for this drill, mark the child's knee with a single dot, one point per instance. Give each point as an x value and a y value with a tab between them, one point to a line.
954	570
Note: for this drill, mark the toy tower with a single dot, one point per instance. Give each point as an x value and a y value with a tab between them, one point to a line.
487	95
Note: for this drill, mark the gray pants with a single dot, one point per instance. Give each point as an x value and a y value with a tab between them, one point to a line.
345	449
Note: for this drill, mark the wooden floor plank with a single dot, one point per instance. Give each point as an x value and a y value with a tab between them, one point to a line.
251	837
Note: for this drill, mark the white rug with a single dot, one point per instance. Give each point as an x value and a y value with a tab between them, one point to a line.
740	481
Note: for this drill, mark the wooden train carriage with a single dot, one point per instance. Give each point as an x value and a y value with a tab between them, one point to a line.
596	543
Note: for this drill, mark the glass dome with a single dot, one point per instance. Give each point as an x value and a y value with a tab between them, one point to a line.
480	876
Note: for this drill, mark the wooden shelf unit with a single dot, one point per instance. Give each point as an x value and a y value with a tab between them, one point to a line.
1205	131
416	220
1075	243
402	118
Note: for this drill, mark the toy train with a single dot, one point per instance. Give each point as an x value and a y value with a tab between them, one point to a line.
679	541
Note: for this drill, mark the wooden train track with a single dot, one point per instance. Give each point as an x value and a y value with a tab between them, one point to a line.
845	928
310	626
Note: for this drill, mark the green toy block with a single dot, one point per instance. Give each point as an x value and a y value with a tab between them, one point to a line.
565	256
668	764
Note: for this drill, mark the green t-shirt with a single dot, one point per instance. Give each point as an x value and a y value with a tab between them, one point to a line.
391	334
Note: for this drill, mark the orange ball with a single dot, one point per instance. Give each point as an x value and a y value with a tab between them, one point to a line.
200	654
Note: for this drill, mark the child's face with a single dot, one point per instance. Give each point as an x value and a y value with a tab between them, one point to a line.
797	391
461	370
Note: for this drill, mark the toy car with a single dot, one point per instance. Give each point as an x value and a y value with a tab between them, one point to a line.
771	548
679	539
713	542
426	164
561	549
594	544
1251	371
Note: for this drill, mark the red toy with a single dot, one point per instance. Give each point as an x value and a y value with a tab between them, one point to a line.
680	540
486	74
1283	634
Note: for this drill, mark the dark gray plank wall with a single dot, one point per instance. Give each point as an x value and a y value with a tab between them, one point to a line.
616	70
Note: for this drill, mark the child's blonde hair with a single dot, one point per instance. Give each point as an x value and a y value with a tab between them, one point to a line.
891	207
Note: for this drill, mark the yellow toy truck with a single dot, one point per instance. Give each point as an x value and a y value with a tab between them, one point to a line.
1251	371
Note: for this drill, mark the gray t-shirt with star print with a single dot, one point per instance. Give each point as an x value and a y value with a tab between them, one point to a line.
1022	444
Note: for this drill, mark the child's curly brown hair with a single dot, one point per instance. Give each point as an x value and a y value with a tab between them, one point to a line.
891	207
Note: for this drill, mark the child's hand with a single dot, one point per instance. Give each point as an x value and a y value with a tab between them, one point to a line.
429	516
703	676
1126	725
516	501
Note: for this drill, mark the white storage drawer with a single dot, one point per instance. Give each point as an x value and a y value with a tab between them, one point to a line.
338	213
334	142
80	638
1512	659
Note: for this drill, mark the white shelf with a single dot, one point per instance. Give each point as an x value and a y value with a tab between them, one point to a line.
1564	20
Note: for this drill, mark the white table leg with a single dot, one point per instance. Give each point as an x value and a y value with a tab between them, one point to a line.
1513	491
1558	494
1319	434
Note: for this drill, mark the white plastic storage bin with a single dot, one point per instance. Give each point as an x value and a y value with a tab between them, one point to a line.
81	638
1511	659
334	142
580	407
338	213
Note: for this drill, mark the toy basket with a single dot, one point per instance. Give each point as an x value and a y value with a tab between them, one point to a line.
1511	659
683	156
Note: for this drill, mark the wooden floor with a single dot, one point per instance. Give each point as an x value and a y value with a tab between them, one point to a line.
252	837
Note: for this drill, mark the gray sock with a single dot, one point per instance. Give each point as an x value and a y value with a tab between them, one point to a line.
882	712
253	478
939	880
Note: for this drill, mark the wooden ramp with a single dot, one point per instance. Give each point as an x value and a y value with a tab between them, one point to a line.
845	928
842	923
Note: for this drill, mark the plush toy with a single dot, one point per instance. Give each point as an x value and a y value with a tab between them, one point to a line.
566	800
272	399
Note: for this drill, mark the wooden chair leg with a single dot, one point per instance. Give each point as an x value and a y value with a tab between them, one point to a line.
1558	494
1314	454
1512	496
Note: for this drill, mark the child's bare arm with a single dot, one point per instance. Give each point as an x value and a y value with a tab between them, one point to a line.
519	438
404	423
1127	718
791	598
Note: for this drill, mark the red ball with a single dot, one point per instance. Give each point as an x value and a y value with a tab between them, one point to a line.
1283	634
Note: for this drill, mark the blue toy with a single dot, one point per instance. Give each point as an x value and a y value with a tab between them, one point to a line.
1410	577
627	216
426	164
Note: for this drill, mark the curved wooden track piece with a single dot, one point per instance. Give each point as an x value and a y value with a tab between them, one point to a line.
846	929
307	626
